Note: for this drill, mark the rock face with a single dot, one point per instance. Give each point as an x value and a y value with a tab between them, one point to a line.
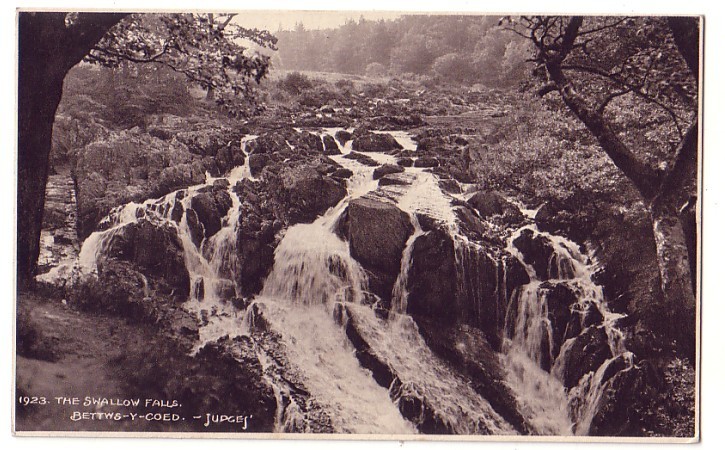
302	193
155	250
432	277
589	351
468	350
331	147
211	205
377	232
461	283
130	165
536	250
489	203
559	299
374	142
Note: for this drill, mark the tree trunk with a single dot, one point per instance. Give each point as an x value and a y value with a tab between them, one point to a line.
40	86
47	49
675	278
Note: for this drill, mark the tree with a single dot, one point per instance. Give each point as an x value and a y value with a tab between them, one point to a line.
633	82
207	50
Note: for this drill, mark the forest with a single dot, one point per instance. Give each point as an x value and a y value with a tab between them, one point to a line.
443	225
463	49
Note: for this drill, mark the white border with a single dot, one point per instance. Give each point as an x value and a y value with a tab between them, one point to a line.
713	311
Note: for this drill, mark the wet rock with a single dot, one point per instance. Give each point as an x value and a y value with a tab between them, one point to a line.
489	203
386	169
537	251
450	186
305	142
559	299
377	232
343	136
374	142
362	159
301	193
331	147
432	278
589	350
178	177
196	229
341	173
220	184
426	161
392	180
155	250
627	395
267	143
210	207
405	162
470	353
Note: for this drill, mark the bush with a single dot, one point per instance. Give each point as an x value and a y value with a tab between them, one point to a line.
295	83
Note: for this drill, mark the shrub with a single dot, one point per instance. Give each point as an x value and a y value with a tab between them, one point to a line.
295	83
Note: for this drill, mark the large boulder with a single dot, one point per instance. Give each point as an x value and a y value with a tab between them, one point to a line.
268	143
432	277
211	205
588	351
374	142
426	161
386	169
302	193
537	251
560	298
377	232
489	203
155	250
331	147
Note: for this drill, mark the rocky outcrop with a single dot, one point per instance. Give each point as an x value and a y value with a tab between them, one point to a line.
374	142
589	350
377	232
155	250
386	169
256	238
537	251
432	278
301	193
211	205
469	351
489	203
426	161
331	147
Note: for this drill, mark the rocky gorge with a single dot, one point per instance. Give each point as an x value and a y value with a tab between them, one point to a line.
356	276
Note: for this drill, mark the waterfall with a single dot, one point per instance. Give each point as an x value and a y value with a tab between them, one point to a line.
313	265
535	366
313	271
399	296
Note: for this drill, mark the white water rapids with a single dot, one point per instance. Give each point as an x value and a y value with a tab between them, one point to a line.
313	270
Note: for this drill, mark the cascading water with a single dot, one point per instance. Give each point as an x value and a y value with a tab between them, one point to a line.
535	365
313	271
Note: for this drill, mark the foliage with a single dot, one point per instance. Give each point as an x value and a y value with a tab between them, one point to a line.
205	48
295	83
460	49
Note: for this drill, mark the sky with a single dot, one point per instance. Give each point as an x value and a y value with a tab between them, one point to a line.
274	20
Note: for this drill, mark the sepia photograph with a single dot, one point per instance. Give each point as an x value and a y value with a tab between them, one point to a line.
358	225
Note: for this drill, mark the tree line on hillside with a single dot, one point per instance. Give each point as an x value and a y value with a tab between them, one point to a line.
464	49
